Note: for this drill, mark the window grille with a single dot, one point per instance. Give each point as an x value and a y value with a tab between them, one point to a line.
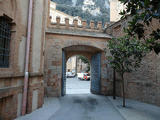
5	37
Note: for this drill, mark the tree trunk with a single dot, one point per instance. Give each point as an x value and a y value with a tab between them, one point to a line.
114	84
123	87
81	66
76	66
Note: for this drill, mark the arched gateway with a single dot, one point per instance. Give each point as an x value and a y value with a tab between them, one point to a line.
64	41
94	56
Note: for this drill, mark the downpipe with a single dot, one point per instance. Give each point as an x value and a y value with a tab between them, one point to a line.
26	77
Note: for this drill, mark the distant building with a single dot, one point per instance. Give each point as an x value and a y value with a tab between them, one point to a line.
81	66
56	13
115	8
71	64
74	64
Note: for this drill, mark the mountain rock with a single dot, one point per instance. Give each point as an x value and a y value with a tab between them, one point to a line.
97	10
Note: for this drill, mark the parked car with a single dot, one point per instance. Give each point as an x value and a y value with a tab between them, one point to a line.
70	74
83	76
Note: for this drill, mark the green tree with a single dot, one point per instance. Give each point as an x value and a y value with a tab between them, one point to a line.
86	61
126	56
67	2
142	13
79	2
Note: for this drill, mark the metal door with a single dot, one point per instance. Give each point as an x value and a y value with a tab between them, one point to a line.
63	90
95	73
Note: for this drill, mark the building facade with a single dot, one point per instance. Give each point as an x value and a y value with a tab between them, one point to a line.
64	41
34	52
71	64
14	15
143	84
77	65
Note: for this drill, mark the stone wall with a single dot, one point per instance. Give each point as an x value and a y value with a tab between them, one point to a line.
12	78
73	42
144	84
84	27
74	39
11	95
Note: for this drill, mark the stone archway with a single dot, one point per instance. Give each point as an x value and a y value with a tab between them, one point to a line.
94	56
59	45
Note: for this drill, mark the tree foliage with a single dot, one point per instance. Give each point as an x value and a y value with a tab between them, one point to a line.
126	56
67	2
86	61
79	2
143	12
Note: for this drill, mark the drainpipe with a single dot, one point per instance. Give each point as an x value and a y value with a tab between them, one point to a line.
26	77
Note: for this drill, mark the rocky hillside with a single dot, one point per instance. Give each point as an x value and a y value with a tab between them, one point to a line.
97	10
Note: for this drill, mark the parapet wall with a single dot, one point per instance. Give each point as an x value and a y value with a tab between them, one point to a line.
84	27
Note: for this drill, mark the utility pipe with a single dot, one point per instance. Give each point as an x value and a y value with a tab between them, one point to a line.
26	77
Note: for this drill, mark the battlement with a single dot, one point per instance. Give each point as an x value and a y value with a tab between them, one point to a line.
84	27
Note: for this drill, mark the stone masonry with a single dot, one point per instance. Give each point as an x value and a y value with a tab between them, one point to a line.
12	78
74	40
48	40
144	84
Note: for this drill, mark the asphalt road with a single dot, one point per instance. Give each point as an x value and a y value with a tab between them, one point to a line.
76	86
86	107
80	104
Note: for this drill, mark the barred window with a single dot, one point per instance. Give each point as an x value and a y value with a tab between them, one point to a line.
5	37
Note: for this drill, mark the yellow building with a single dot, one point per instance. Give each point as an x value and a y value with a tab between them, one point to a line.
71	64
75	64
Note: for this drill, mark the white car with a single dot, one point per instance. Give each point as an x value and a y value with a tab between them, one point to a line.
83	76
69	74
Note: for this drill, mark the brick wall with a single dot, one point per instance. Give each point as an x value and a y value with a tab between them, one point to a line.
142	85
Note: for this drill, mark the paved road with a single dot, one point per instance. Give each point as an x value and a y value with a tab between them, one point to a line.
92	107
76	107
86	107
76	86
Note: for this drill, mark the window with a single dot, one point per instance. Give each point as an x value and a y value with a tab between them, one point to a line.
5	37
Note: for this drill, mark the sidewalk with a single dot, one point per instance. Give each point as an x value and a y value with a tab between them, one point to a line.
51	105
136	110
